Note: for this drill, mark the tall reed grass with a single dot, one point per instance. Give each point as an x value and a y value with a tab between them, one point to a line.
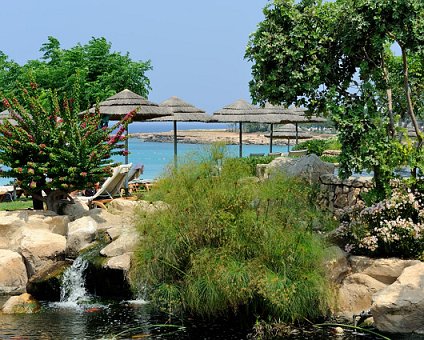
231	244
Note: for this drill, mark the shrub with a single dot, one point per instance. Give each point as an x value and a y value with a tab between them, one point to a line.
230	244
318	146
392	227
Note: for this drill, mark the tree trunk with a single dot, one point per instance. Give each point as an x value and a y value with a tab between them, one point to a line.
389	102
37	203
409	99
57	199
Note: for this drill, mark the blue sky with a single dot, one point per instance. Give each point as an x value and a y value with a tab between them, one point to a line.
196	47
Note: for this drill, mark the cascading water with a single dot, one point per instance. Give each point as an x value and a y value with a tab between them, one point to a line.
72	291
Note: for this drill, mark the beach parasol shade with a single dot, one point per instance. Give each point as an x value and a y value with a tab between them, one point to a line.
117	106
289	131
238	112
181	111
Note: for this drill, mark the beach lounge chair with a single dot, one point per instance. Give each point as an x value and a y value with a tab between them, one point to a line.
110	188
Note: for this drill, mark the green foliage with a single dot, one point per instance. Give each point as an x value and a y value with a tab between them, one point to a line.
19	204
393	227
318	146
230	244
52	148
93	67
334	58
252	161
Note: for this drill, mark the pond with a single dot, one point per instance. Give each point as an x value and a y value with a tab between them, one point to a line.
136	319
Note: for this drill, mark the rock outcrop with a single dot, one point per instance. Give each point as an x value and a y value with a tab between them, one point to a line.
399	308
19	304
13	273
39	247
309	167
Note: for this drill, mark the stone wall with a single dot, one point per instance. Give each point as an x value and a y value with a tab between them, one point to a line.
336	194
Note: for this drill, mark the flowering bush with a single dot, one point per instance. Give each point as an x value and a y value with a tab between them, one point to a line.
51	147
392	227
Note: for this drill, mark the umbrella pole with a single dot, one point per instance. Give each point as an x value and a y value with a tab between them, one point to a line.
126	161
270	137
175	143
297	134
241	139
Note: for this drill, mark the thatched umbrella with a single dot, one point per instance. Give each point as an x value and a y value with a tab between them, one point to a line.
289	131
238	112
294	115
243	112
181	111
118	105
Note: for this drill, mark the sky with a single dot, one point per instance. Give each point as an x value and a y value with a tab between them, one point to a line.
196	47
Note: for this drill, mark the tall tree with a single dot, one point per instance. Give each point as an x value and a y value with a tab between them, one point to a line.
334	58
97	70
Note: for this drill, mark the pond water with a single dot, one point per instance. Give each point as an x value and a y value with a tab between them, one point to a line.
136	319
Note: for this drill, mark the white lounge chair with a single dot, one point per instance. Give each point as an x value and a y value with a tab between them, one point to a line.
111	187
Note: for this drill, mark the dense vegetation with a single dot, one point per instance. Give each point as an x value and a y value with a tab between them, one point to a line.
50	147
334	57
93	67
318	146
230	244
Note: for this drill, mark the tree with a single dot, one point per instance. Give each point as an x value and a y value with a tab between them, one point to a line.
54	149
334	58
97	71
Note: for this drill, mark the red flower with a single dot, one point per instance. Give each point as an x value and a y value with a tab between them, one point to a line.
33	85
42	146
6	103
83	174
19	170
125	152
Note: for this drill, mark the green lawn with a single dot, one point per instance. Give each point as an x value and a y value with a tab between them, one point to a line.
19	204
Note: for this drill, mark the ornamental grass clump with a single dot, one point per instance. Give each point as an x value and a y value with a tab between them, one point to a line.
392	227
228	243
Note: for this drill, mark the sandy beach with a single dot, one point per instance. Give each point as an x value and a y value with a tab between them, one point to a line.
207	137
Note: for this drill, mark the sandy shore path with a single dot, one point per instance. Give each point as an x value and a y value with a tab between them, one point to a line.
207	137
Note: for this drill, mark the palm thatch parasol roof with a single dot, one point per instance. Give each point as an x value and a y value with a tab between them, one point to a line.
289	131
181	111
238	112
118	105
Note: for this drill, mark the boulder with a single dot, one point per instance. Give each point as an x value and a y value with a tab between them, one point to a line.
9	224
336	264
23	303
13	273
309	167
45	284
121	262
106	220
125	243
39	247
81	233
76	210
399	308
355	294
383	270
119	206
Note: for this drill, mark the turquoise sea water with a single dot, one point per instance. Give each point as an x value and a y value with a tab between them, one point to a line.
156	156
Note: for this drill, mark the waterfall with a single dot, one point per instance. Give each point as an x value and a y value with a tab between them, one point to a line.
72	291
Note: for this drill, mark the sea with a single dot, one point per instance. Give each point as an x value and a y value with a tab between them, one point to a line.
157	156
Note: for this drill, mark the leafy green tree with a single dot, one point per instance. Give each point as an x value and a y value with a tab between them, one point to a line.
334	58
52	148
93	67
